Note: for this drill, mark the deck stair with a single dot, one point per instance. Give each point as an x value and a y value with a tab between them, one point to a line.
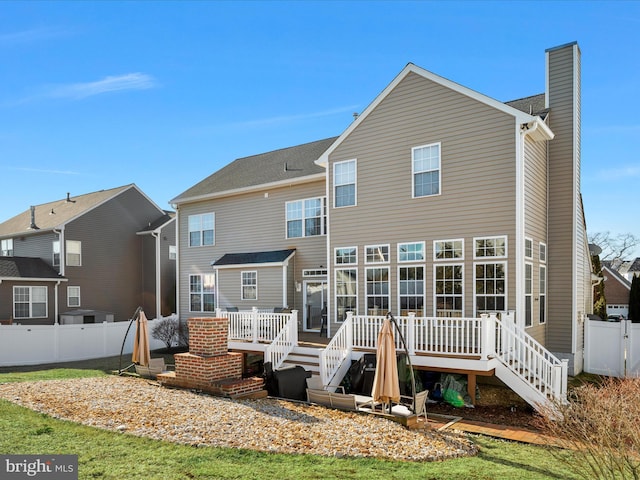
307	357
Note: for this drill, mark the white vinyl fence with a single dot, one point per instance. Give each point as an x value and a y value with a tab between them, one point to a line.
41	344
612	348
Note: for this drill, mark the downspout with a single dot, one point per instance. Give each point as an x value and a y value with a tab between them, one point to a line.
175	207
522	130
158	285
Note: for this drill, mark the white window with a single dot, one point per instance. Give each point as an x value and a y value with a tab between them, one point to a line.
490	287
6	247
490	247
202	293
344	183
173	253
448	249
543	252
321	272
426	170
249	285
346	256
306	218
411	252
528	294
30	302
201	230
543	294
55	260
376	254
411	290
528	248
73	296
448	290
346	292
377	290
74	253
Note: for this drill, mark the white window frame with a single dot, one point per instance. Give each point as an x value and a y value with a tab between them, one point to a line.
453	313
542	252
372	254
337	255
339	295
411	260
318	272
173	252
375	285
248	281
199	218
55	255
441	246
342	183
528	248
475	285
30	300
415	171
73	249
542	282
491	256
6	247
207	286
423	284
528	294
303	217
73	292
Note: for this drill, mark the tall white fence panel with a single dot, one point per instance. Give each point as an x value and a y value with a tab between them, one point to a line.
612	348
41	344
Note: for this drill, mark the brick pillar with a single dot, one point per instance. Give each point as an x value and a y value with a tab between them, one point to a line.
208	336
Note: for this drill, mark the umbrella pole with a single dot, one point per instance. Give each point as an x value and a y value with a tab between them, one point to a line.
135	316
406	350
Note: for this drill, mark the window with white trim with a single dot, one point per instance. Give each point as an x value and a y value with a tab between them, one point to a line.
377	296
448	290
376	254
202	229
73	296
55	260
306	218
6	247
411	252
448	249
202	293
322	272
543	294
528	248
490	287
30	302
490	247
411	290
346	256
528	294
344	183
346	281
425	167
173	252
74	253
543	252
249	285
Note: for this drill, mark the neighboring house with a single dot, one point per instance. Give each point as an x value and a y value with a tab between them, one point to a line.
88	258
630	269
616	291
436	200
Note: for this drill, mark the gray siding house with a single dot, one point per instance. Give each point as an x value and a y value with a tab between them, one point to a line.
88	258
436	200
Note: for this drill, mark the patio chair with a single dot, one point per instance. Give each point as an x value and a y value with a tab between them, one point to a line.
156	366
420	406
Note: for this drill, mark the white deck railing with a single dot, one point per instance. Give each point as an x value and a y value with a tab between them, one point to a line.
334	358
255	325
284	343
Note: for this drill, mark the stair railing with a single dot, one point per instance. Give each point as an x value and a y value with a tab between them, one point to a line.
284	343
333	358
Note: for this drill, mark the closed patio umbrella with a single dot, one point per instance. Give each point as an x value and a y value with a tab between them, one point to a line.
386	387
141	352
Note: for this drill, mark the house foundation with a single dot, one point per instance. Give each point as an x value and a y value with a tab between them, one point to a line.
209	366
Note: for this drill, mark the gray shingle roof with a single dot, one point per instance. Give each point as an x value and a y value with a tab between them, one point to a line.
533	105
275	256
278	165
24	267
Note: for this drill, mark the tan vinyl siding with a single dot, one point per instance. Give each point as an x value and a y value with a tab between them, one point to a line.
269	287
563	192
477	179
35	246
250	222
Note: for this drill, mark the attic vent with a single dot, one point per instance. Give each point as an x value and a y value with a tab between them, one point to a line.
33	225
69	198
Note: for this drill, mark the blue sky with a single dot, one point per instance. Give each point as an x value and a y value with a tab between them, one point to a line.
95	95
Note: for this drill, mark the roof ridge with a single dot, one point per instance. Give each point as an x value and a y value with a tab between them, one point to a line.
285	148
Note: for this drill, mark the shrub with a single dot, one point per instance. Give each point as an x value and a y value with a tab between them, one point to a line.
166	330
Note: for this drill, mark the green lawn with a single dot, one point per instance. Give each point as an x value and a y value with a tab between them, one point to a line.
109	455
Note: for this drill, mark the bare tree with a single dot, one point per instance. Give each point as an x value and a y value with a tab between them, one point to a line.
614	247
166	330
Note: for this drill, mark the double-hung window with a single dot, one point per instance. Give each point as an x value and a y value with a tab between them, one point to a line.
29	302
56	253
73	296
249	285
74	253
528	294
377	290
6	247
426	170
346	284
411	252
490	287
528	248
202	293
411	289
202	229
543	294
344	183
306	218
448	290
